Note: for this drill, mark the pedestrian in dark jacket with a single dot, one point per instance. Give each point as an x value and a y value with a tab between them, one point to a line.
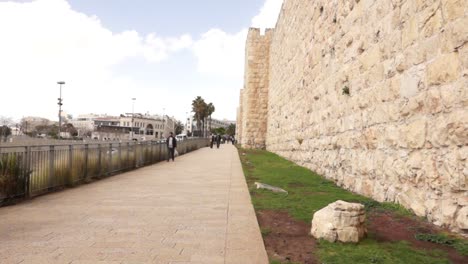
213	138
171	146
218	140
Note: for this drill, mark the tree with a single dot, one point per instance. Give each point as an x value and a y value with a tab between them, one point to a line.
70	129
209	111
50	130
231	130
199	109
5	132
53	131
178	127
6	121
220	131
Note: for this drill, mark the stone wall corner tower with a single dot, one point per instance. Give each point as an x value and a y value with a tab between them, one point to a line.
253	114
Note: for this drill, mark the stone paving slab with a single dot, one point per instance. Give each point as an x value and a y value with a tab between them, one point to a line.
194	210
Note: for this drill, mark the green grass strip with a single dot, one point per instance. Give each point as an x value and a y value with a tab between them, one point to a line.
308	193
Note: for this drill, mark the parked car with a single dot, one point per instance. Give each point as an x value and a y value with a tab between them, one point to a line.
181	137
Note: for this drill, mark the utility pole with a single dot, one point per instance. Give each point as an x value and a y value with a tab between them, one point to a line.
60	108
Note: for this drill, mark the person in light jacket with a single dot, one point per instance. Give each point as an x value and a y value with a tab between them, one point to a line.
171	146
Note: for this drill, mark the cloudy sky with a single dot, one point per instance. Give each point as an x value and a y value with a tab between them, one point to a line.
163	53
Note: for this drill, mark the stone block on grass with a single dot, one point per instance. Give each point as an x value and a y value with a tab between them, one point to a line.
340	221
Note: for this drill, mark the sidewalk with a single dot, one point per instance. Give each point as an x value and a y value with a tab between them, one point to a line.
194	210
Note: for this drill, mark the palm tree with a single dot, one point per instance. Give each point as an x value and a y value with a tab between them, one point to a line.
209	111
199	110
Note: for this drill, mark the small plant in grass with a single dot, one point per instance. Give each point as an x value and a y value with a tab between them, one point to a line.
372	205
435	238
460	245
265	231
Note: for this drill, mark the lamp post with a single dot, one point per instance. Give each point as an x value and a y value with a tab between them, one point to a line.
60	107
133	114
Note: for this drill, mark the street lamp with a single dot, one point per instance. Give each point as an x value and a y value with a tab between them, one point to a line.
133	114
60	107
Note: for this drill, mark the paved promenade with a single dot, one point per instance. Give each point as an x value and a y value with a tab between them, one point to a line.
194	210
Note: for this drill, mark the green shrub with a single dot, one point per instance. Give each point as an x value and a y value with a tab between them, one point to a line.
10	174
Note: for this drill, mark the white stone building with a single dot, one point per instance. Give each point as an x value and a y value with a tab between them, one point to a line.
138	127
84	123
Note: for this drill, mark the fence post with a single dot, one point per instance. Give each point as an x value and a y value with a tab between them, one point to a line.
120	156
99	162
51	165
27	171
153	152
135	165
160	146
110	159
128	157
86	151
70	165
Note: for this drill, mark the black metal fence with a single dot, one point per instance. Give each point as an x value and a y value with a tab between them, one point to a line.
29	171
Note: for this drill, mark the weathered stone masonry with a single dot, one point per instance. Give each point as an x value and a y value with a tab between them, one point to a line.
401	134
254	96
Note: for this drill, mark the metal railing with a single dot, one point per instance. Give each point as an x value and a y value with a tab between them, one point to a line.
28	171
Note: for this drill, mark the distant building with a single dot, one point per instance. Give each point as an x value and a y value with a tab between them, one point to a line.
216	123
138	127
15	130
191	125
84	124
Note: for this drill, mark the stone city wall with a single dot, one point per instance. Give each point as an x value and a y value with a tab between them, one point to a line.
374	95
254	97
240	110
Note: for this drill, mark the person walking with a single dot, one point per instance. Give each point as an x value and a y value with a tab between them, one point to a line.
213	138
171	146
218	140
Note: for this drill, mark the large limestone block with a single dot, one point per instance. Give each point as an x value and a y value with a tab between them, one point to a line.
462	219
414	134
444	69
412	198
340	221
452	9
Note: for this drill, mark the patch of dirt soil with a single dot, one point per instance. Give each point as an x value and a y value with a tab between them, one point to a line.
387	227
288	239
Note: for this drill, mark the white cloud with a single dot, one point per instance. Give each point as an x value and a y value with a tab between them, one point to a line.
157	49
221	53
45	41
268	14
